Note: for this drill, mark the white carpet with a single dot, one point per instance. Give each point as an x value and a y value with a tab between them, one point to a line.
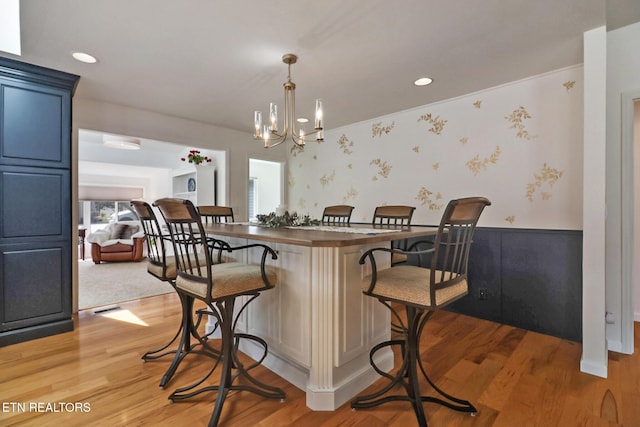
115	282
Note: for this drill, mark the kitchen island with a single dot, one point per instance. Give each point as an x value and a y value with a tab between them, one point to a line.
318	324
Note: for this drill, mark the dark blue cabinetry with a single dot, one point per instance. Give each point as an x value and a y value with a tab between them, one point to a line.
35	201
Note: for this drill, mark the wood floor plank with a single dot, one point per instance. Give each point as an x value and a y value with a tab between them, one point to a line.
513	377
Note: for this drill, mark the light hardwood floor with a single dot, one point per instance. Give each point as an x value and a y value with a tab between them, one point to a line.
514	377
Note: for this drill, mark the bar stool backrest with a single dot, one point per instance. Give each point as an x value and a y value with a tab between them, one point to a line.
158	264
215	214
453	242
192	256
337	214
393	215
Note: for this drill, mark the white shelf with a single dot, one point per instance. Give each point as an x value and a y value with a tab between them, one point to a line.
205	191
185	194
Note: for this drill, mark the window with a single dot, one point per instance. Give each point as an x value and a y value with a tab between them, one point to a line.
111	211
95	215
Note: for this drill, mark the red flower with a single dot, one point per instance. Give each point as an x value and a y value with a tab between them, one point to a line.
196	158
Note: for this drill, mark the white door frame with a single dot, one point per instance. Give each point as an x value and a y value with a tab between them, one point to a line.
628	195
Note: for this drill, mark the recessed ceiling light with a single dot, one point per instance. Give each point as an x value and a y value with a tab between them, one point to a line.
423	81
302	120
84	57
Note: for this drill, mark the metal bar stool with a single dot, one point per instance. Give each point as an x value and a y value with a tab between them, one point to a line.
163	267
218	286
421	291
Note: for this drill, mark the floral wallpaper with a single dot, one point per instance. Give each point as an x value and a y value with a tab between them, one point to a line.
518	144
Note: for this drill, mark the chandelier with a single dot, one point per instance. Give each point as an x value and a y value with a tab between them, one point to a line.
269	132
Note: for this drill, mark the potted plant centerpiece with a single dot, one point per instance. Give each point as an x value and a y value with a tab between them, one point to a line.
287	219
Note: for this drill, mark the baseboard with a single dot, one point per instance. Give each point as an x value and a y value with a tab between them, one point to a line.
614	345
34	332
593	368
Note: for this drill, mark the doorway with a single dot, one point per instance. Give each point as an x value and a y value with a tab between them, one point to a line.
107	179
265	187
630	218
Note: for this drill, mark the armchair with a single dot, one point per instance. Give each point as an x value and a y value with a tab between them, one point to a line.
119	241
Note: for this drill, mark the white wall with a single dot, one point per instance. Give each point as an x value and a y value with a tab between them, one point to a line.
594	347
155	182
623	75
531	169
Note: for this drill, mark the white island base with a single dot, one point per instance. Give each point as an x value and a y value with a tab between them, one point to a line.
317	323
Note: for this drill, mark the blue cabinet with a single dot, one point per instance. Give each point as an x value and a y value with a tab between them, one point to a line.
35	201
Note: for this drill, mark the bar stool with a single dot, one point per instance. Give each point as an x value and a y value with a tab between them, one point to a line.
218	286
337	215
215	214
394	215
421	291
210	214
163	267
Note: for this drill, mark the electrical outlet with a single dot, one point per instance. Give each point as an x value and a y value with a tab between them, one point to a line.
482	294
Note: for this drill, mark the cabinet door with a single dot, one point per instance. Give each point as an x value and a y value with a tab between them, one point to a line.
35	127
282	315
31	293
35	204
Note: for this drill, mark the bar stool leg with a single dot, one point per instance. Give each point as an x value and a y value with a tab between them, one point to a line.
232	367
186	331
154	354
408	376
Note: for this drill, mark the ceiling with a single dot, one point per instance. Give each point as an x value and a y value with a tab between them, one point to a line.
218	61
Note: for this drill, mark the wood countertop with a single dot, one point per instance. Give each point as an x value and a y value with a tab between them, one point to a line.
321	236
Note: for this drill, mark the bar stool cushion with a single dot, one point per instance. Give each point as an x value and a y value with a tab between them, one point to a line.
230	278
410	284
157	269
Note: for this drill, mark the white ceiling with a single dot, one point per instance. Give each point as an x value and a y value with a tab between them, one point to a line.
218	61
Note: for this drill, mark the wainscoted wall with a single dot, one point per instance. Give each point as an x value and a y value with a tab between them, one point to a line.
519	144
532	279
